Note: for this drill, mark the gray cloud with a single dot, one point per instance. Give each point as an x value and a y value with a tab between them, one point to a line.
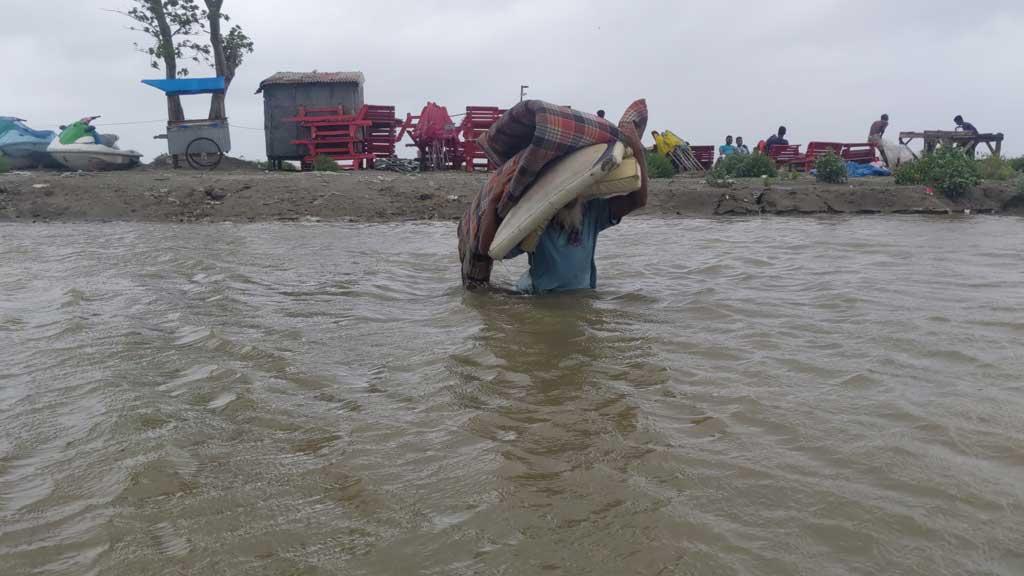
826	69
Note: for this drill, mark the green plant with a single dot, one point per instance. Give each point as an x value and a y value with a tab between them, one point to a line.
324	163
747	166
718	178
1017	163
659	166
830	168
1020	185
996	168
948	170
5	166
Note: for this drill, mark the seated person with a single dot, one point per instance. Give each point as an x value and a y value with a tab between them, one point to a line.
741	148
774	139
726	149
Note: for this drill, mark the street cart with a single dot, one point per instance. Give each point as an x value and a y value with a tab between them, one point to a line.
203	143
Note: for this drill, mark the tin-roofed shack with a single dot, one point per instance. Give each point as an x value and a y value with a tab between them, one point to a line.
284	92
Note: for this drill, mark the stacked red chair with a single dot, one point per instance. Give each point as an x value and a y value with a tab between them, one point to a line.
334	134
475	123
379	138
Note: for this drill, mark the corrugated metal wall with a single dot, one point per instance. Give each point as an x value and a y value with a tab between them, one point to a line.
283	100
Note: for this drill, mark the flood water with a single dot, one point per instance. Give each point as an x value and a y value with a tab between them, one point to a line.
762	396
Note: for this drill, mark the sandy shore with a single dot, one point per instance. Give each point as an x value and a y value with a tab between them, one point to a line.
163	195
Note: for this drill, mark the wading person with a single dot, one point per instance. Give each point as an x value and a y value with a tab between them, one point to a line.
563	257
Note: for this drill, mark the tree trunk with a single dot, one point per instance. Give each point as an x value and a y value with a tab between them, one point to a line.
174	109
217	106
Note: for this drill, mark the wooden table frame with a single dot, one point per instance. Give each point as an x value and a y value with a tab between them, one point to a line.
967	140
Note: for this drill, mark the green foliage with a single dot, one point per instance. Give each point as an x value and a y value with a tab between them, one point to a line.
659	166
176	28
996	168
5	165
718	178
1017	163
830	168
324	163
1019	185
948	170
747	166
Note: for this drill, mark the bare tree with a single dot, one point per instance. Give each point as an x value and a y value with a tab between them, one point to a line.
227	51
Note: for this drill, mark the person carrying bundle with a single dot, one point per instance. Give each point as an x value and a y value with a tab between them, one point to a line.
525	144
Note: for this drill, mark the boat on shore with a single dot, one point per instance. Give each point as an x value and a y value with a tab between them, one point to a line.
22	146
80	147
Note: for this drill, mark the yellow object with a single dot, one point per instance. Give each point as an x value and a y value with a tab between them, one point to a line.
666	142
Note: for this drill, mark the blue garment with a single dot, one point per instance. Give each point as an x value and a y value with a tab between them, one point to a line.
563	260
726	150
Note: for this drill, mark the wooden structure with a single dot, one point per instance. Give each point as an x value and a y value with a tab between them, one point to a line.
784	154
443	145
860	153
332	133
379	139
478	119
283	94
683	159
705	156
816	150
969	141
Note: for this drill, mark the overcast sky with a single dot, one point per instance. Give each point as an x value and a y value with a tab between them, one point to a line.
824	68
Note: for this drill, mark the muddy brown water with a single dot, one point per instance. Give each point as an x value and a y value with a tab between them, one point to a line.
762	396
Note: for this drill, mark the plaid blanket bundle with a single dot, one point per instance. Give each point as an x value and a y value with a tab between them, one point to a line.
521	143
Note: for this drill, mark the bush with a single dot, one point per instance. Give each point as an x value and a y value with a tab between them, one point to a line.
948	170
1017	163
659	166
5	166
830	168
747	166
324	163
719	178
996	168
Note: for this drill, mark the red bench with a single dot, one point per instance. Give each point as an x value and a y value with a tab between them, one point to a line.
816	150
705	155
784	154
860	153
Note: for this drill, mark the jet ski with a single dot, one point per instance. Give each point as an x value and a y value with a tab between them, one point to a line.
80	147
22	146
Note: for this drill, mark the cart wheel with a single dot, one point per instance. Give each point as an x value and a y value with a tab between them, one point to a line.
203	160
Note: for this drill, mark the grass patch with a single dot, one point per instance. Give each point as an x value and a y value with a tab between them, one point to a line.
948	170
1017	163
830	168
996	168
324	163
659	166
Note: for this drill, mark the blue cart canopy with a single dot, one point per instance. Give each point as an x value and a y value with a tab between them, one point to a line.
185	86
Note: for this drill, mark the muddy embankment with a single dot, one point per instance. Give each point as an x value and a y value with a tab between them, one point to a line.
245	195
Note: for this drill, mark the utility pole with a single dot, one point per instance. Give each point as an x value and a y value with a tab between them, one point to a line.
522	91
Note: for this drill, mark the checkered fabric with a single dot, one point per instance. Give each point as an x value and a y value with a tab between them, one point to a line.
521	143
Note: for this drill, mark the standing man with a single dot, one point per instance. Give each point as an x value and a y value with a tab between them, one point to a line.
779	138
875	134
